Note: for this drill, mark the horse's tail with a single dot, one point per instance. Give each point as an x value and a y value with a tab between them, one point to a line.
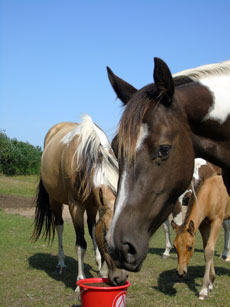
44	217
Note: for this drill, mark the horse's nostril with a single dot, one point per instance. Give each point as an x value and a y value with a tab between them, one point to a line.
129	249
129	253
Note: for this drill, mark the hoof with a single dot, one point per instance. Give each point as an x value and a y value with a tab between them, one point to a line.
77	290
210	287
60	270
225	258
165	256
202	297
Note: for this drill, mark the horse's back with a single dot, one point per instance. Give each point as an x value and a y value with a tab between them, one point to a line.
55	129
55	159
214	197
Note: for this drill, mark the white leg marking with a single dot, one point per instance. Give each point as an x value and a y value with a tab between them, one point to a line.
203	293
80	257
168	244
226	251
61	255
210	286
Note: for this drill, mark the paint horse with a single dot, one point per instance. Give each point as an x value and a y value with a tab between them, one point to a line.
164	126
177	217
226	252
206	214
78	168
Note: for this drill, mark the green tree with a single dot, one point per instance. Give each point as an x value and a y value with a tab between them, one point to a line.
18	158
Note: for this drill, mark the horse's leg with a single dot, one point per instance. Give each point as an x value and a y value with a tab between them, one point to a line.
91	221
57	209
209	234
226	252
168	243
178	219
77	214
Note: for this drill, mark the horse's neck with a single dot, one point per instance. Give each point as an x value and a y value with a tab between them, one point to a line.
209	130
196	215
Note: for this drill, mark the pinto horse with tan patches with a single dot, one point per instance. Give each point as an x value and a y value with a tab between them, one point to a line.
164	126
177	217
226	252
79	169
207	213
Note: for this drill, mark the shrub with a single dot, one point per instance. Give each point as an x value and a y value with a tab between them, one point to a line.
18	158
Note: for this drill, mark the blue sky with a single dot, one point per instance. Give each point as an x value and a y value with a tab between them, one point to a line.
53	55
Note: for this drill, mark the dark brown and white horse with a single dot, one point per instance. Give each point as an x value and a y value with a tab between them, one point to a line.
164	126
79	169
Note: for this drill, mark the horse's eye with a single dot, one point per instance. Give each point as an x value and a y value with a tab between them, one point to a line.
101	197
163	151
189	248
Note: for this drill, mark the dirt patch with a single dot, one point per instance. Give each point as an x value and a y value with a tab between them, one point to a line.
16	202
24	206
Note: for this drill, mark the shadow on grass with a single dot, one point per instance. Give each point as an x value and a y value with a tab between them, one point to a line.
47	262
160	251
168	279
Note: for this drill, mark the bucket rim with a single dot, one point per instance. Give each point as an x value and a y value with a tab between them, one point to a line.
82	282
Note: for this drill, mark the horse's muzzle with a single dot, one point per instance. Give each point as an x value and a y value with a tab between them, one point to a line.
125	257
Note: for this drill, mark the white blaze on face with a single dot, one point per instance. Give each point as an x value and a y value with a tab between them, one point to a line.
123	191
143	133
120	203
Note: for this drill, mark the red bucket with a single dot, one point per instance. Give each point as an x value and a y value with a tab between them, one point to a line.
98	295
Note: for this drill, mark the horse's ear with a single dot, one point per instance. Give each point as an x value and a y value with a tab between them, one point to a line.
123	89
163	80
175	227
191	228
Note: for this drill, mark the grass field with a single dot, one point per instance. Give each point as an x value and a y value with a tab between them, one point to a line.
18	185
26	268
27	278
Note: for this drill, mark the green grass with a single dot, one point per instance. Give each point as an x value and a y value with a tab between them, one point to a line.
27	279
18	185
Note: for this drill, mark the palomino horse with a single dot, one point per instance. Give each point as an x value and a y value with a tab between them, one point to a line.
78	168
206	214
164	126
